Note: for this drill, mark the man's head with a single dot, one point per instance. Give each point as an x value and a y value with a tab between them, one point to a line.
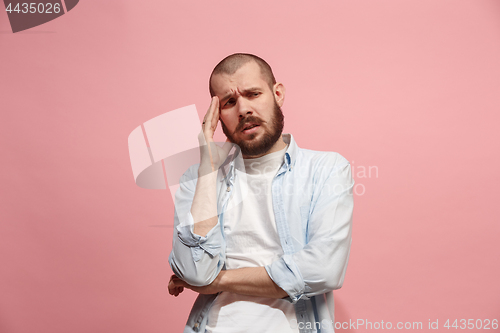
249	97
230	64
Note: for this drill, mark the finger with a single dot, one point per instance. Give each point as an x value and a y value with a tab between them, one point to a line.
211	115
172	284
215	116
171	289
208	111
175	290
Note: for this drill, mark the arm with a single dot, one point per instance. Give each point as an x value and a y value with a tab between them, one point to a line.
317	268
320	265
204	207
251	281
197	247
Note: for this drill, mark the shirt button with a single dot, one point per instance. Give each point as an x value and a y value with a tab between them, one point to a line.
228	188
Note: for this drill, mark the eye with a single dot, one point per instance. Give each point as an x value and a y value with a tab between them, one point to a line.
254	94
229	102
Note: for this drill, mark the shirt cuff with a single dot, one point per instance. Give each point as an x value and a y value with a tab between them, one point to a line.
211	243
285	273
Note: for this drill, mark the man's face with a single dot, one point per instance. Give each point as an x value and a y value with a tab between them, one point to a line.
250	111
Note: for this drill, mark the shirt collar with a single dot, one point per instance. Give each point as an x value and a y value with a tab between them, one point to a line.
291	152
289	158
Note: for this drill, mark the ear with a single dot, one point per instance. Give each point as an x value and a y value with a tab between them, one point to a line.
279	93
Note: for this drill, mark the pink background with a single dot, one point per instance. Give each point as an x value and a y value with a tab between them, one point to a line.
409	87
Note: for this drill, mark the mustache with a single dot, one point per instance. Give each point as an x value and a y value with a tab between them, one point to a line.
249	119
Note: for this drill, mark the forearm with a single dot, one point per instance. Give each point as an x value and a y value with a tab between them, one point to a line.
198	253
204	207
251	281
194	258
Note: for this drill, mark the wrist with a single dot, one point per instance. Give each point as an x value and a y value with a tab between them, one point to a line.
206	169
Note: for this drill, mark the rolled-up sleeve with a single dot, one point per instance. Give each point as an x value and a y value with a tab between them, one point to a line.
320	266
194	258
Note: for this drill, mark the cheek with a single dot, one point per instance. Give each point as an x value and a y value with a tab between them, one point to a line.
229	122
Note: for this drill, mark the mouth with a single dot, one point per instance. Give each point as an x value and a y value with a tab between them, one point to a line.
250	128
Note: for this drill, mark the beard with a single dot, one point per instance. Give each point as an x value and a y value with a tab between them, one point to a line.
271	134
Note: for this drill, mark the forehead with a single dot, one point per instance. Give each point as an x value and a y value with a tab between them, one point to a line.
247	76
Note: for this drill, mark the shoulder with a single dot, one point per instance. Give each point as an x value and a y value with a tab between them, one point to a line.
316	158
313	159
325	170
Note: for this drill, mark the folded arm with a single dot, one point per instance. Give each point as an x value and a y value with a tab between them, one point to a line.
316	269
194	258
320	266
251	281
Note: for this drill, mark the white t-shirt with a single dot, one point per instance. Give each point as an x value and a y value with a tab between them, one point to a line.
252	241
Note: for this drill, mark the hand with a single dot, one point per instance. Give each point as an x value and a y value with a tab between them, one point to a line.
176	286
212	156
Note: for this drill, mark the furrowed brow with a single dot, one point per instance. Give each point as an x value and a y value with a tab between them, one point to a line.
245	91
226	97
253	89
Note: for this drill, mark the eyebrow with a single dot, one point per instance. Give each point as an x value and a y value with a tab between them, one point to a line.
226	97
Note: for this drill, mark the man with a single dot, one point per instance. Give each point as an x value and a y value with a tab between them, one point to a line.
264	239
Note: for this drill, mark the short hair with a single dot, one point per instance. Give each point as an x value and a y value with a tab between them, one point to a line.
230	64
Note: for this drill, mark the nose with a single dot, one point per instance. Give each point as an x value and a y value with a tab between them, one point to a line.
244	108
